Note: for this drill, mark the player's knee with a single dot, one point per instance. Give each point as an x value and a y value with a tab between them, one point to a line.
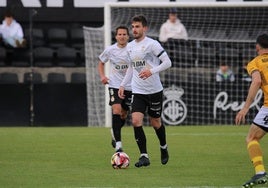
115	111
155	122
251	138
123	117
136	122
123	114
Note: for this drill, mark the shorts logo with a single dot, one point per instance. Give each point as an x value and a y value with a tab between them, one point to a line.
111	92
174	109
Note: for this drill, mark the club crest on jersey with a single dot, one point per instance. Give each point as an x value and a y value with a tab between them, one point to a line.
143	48
174	109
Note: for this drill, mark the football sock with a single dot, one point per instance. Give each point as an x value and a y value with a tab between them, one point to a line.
116	125
161	134
255	155
145	155
140	139
118	145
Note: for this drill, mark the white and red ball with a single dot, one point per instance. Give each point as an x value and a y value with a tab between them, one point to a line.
120	160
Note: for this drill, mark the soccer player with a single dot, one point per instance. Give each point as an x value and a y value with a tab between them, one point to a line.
148	58
258	70
117	55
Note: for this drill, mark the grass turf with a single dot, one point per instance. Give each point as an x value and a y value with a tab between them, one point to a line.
200	156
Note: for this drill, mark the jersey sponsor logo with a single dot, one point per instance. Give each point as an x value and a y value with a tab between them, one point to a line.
139	63
221	103
174	109
121	67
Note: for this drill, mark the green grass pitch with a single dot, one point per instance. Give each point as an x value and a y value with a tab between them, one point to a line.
200	156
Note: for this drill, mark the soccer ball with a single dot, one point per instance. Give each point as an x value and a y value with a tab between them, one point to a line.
120	160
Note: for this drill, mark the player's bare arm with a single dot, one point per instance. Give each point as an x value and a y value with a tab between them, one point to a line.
103	78
126	80
253	89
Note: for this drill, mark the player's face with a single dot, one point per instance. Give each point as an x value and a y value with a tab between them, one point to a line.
224	68
8	20
138	30
122	37
172	18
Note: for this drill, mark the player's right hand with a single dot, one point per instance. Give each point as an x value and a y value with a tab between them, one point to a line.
121	92
241	117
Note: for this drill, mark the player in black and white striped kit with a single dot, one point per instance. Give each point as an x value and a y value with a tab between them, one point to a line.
148	59
119	62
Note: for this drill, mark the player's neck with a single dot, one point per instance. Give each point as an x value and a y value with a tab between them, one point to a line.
263	51
121	45
140	39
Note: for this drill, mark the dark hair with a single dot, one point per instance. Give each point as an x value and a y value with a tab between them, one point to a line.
121	27
262	40
140	18
8	14
173	11
223	63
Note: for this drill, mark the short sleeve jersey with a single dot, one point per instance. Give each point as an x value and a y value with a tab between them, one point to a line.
145	55
260	63
119	62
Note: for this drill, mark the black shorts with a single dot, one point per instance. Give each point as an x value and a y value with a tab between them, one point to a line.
115	99
151	103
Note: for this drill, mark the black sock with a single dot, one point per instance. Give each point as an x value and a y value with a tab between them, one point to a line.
161	134
116	125
140	139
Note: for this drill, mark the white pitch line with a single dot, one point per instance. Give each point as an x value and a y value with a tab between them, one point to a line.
179	187
197	134
207	134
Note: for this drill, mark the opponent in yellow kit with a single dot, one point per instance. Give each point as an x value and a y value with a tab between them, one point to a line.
258	69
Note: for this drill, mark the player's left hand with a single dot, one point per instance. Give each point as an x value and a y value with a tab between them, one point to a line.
121	92
144	74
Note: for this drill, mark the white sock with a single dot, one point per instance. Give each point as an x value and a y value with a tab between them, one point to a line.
118	145
145	155
260	173
163	147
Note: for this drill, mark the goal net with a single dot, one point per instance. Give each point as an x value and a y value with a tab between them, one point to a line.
94	44
218	33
